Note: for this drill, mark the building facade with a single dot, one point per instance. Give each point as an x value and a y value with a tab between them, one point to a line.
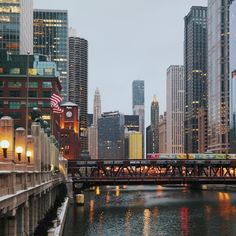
138	104
232	73
135	145
50	35
175	109
69	131
162	134
218	76
195	74
78	83
155	124
111	136
16	31
43	81
93	129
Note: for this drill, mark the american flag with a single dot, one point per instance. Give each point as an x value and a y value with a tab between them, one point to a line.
54	102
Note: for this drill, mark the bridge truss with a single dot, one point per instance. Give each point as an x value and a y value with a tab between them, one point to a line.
160	172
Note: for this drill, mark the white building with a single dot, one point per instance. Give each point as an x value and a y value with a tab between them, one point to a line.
175	109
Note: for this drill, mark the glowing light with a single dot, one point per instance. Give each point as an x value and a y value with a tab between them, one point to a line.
19	150
97	190
5	144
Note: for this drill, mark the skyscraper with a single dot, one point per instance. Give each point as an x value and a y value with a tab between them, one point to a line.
152	131
175	109
162	134
111	136
138	104
78	83
155	124
51	39
232	77
16	31
93	129
195	74
218	76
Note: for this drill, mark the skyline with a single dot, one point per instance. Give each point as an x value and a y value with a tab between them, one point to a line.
114	35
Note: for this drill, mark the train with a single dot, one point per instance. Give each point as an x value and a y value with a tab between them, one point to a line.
193	156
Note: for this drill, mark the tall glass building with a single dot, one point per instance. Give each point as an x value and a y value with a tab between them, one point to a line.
16	26
195	74
233	76
111	136
138	105
218	76
51	39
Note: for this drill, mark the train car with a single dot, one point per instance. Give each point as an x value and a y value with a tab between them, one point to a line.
191	156
151	156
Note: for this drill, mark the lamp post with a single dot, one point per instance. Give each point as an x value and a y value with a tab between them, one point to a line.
5	145
28	154
27	103
19	151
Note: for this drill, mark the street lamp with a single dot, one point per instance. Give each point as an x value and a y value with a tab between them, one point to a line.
5	145
28	154
19	151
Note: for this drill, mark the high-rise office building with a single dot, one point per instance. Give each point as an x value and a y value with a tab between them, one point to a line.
93	129
232	73
132	123
152	131
138	104
175	109
16	31
135	145
218	76
195	74
162	134
51	39
111	136
155	124
78	83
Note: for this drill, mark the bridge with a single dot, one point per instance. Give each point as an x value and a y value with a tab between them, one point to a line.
149	172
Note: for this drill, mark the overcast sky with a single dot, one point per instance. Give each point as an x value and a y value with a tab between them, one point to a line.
128	40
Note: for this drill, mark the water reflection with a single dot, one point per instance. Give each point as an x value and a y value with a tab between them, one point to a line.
184	221
117	191
97	190
128	216
146	222
91	211
152	210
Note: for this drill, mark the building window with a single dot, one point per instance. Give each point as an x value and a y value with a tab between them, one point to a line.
1	104
14	84
14	93
14	105
33	84
33	94
33	104
1	93
47	84
1	84
15	115
14	71
46	94
46	104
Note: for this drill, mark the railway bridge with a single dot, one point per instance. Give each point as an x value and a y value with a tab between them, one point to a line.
151	172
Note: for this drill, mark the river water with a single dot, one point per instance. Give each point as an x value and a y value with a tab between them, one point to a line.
153	210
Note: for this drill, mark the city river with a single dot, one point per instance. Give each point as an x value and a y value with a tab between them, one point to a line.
153	210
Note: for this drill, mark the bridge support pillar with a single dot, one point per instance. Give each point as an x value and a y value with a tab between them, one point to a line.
26	218
11	226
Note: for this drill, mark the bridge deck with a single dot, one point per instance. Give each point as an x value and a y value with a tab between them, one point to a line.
168	171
